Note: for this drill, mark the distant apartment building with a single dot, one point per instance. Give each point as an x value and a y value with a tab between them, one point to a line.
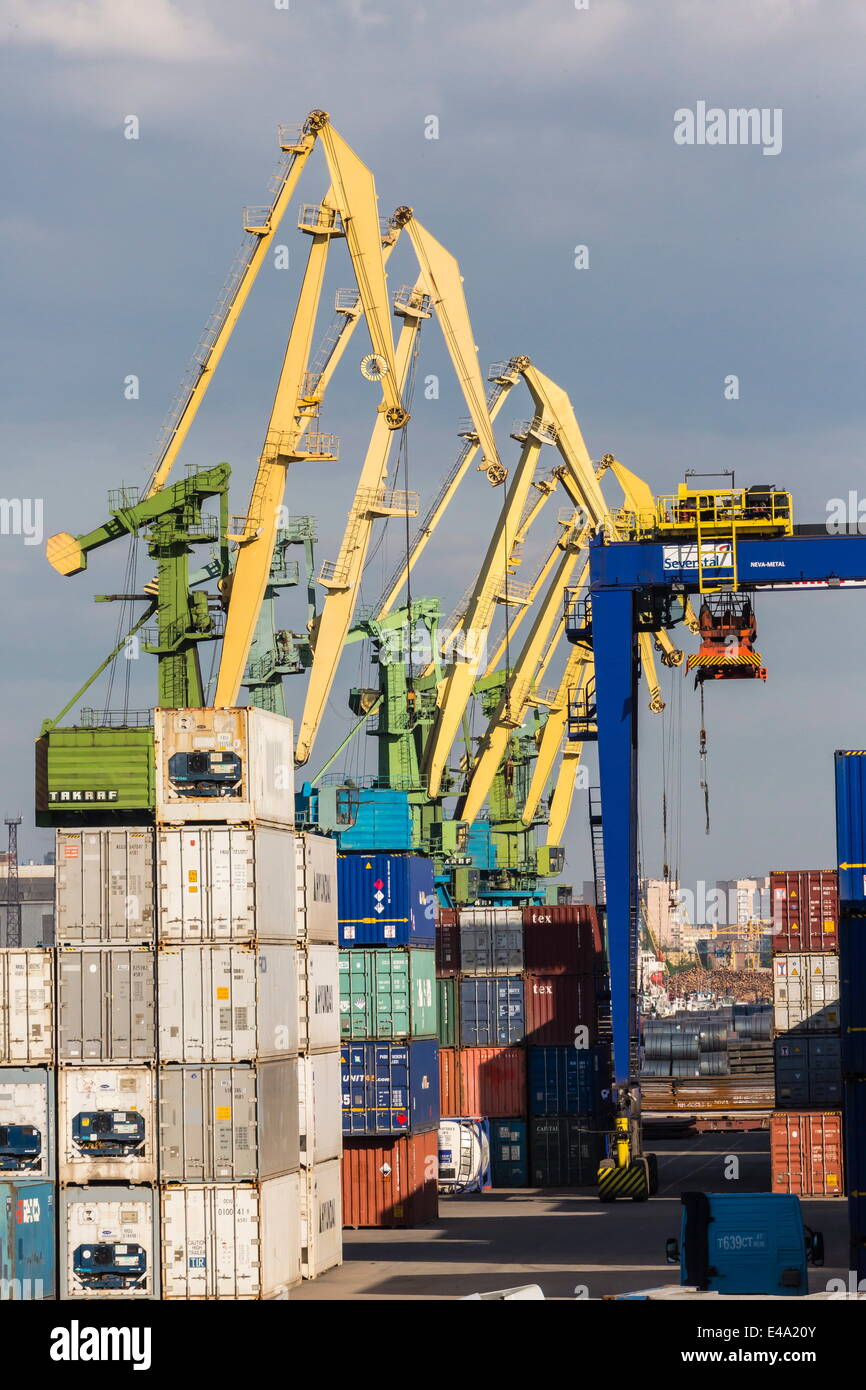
36	894
746	899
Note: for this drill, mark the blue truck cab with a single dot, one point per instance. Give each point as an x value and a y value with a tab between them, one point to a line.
750	1243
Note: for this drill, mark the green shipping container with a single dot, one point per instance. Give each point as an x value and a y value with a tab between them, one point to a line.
387	994
447	992
80	771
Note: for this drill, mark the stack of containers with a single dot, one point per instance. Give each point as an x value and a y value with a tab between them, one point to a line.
851	852
390	1078
27	1191
806	1126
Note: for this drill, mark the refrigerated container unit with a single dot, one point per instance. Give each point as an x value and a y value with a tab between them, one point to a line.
228	1123
27	1240
26	1006
483	1081
105	886
390	1183
808	1072
491	1011
464	1155
390	1088
509	1152
561	1009
446	1012
491	944
564	1080
224	765
806	993
321	1219
320	1108
108	1242
806	1153
231	1241
386	900
106	1004
106	1124
318	999
228	1003
562	940
222	883
27	1113
316	887
805	908
387	993
565	1151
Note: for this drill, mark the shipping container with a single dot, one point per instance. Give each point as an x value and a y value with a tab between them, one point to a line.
490	947
389	1183
567	1080
446	1014
806	993
27	1240
389	1088
562	940
224	765
806	1153
228	1123
27	1100
80	771
509	1152
320	1108
464	1155
808	1072
852	995
319	998
483	1081
316	887
109	1245
227	1003
561	1009
226	884
387	994
854	1131
105	886
386	900
491	917
231	1241
805	908
491	1011
26	1006
565	1151
106	1004
447	944
851	826
321	1219
106	1124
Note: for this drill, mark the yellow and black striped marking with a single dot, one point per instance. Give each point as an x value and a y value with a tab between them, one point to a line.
698	659
630	1181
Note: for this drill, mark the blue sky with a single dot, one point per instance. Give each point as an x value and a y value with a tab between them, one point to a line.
555	129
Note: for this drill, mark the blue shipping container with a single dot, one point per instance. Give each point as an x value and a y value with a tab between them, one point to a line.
852	996
390	1088
566	1080
509	1153
27	1239
854	1130
385	900
851	827
491	1012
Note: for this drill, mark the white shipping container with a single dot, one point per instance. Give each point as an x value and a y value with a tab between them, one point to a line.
321	1219
316	887
319	1001
228	1122
108	1243
320	1108
26	1006
106	1124
106	1004
220	884
104	885
806	992
224	765
232	1241
27	1116
491	917
227	1003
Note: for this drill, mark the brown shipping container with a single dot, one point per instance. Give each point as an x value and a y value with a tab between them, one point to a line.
806	1153
558	1004
482	1081
392	1182
447	945
805	908
563	940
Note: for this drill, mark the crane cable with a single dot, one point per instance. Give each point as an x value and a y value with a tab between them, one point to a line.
702	751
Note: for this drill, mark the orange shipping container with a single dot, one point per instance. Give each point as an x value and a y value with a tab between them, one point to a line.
482	1081
806	1153
391	1182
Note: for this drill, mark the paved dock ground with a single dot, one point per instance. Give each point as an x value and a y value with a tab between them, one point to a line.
563	1239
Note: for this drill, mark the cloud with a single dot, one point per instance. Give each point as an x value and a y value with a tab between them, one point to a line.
155	30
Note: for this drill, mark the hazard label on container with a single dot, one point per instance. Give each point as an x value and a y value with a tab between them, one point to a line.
71	851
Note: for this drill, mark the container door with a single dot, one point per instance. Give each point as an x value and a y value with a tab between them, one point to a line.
276	1121
276	914
280	1235
424	997
277	984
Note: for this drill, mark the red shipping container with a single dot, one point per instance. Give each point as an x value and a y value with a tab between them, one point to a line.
562	940
447	944
556	1005
805	908
482	1081
392	1182
806	1153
